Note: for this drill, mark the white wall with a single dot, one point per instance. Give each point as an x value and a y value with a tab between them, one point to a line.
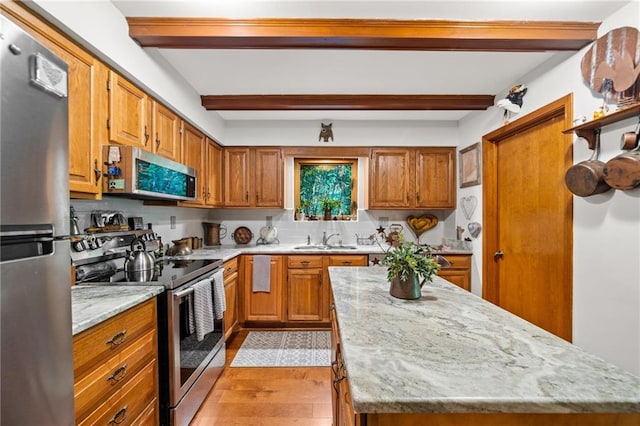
606	298
100	26
345	133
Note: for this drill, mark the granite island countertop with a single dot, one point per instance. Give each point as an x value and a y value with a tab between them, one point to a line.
453	352
92	304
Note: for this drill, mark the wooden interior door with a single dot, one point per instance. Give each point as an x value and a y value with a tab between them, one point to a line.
528	218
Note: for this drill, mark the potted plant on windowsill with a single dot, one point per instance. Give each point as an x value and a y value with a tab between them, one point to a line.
406	264
327	205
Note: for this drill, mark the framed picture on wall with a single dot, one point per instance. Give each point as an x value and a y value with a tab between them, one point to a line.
470	165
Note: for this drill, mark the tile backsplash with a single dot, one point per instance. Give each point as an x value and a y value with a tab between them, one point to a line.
188	221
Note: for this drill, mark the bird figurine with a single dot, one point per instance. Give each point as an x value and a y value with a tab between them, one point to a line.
326	132
513	102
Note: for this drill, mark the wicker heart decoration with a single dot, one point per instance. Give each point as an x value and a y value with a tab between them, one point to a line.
422	223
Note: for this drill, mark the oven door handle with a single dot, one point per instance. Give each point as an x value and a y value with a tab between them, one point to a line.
182	293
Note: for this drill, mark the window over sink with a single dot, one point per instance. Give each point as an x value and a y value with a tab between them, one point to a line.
325	188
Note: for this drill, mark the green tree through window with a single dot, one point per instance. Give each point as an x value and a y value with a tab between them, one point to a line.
319	182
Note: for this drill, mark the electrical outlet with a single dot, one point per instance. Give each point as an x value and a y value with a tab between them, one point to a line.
172	221
383	221
269	220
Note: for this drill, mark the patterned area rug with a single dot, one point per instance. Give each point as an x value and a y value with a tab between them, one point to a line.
284	349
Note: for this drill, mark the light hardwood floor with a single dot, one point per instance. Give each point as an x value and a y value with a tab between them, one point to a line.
267	396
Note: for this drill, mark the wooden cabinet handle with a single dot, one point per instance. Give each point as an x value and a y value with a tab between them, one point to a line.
119	374
118	338
119	417
97	171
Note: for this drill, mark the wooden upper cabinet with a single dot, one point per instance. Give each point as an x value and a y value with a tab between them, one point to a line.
213	178
389	178
237	177
422	178
166	132
129	122
87	80
253	177
435	178
193	155
268	179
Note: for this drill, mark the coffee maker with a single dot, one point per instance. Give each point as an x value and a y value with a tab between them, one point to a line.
213	232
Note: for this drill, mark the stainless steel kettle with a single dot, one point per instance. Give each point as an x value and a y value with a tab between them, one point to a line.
139	264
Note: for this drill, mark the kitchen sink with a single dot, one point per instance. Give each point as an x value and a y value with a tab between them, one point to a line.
324	247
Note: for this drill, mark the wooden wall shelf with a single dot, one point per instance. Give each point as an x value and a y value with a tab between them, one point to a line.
588	130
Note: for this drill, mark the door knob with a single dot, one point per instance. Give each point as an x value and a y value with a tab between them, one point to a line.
498	255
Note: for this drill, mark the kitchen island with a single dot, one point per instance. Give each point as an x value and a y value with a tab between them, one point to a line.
451	358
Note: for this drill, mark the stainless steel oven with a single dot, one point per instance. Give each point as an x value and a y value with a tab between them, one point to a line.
193	366
188	368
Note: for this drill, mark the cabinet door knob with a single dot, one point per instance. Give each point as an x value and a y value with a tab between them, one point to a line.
146	136
119	374
157	141
118	338
119	417
498	255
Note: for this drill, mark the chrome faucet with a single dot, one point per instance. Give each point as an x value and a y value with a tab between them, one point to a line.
325	239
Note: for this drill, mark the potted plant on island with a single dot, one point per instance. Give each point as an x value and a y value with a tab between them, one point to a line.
406	264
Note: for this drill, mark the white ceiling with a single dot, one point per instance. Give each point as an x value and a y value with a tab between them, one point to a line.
217	72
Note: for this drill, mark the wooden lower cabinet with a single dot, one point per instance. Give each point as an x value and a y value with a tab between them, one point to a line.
460	271
231	278
342	406
260	305
116	369
305	288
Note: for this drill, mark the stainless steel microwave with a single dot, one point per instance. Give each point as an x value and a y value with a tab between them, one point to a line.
137	173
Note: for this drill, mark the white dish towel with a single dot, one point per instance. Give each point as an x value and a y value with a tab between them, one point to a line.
262	273
201	319
219	301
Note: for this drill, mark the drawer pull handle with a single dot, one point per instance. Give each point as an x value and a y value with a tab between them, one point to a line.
346	262
305	262
120	416
119	374
118	338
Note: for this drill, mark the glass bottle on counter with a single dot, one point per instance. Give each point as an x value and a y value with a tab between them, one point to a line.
160	251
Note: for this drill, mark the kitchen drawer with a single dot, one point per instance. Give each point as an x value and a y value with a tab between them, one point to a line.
348	260
149	417
126	405
304	261
230	266
113	374
93	346
458	261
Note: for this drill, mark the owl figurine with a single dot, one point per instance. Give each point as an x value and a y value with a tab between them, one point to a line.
325	132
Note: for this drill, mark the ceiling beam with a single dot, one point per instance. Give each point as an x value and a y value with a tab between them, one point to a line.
345	102
381	34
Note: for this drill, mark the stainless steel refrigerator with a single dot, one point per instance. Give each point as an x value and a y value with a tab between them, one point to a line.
36	348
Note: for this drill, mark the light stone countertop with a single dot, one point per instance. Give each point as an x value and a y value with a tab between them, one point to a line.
451	351
92	304
226	252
